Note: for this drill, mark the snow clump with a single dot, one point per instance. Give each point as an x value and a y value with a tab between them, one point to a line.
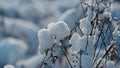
57	30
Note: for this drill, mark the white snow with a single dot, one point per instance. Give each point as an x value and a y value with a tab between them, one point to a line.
12	50
108	1
101	53
116	36
73	15
32	62
86	61
96	35
85	26
70	17
75	42
101	16
24	18
110	64
101	7
115	10
102	62
116	33
60	30
90	13
24	30
87	41
9	66
79	43
104	15
108	15
45	40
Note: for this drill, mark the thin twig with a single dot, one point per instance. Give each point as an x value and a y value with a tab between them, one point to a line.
83	9
97	54
43	62
66	56
106	53
86	43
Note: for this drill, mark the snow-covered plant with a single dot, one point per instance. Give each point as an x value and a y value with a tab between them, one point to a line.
54	40
92	41
55	33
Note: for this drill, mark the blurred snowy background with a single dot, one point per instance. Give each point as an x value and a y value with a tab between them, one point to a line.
20	21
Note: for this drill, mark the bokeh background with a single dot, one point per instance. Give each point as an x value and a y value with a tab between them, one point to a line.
20	21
